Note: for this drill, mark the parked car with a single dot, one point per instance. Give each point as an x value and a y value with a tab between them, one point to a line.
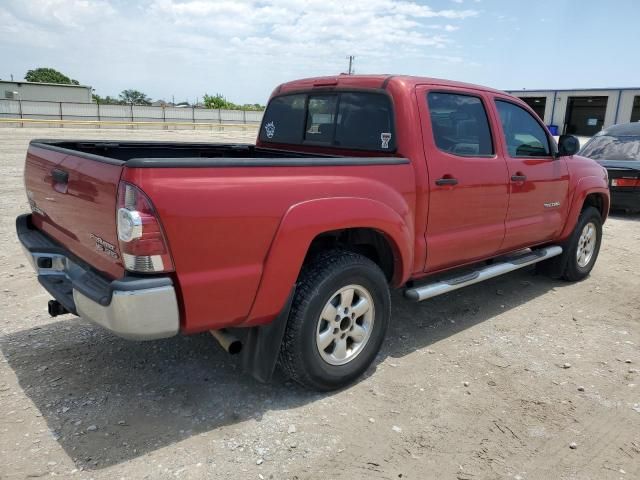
357	184
617	148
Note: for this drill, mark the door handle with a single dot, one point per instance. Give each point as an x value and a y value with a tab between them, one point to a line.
518	177
60	176
447	181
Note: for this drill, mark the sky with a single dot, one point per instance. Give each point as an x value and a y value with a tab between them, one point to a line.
243	49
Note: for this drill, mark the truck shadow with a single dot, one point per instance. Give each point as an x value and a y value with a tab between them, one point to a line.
622	215
109	400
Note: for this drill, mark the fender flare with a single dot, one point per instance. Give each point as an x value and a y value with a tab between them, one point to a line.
305	221
585	187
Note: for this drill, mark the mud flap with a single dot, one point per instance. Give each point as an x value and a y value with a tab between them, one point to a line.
262	346
554	267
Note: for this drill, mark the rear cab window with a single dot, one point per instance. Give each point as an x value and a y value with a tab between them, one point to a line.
345	120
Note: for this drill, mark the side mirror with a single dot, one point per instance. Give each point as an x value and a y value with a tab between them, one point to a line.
568	145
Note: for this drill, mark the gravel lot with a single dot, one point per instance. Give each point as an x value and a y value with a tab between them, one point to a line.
498	380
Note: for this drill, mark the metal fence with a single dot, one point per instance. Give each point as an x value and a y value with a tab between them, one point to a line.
56	114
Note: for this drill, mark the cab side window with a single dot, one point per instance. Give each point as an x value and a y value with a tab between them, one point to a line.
460	125
523	135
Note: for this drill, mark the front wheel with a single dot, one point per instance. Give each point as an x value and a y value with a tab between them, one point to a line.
338	320
583	246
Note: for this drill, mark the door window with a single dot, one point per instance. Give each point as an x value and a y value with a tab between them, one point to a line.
460	125
523	135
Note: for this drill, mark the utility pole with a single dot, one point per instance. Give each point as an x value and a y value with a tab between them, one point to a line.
351	59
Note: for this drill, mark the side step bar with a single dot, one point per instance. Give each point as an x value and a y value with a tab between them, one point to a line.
438	288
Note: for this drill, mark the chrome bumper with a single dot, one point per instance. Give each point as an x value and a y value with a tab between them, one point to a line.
137	308
144	314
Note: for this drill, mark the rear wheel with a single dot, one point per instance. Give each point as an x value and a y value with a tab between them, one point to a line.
338	320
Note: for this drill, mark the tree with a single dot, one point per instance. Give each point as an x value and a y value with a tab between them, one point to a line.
49	75
219	101
106	100
134	97
215	101
256	107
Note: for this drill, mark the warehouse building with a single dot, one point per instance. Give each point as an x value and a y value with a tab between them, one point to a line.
583	112
45	92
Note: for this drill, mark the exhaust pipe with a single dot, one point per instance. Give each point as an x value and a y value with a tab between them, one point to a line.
55	308
227	341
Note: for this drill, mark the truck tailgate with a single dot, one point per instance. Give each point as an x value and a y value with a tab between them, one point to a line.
73	200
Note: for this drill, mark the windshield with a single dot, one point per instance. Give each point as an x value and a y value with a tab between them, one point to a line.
606	147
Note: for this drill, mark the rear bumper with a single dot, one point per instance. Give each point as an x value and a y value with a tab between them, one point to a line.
137	308
625	199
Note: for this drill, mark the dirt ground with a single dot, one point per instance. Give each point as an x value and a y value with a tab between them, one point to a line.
493	381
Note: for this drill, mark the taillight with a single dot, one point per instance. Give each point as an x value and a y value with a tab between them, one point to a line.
142	242
625	182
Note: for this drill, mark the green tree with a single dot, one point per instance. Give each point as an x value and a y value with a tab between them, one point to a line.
134	97
219	101
49	75
215	101
106	100
256	107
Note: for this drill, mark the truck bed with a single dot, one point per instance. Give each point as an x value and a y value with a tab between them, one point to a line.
125	151
220	206
181	154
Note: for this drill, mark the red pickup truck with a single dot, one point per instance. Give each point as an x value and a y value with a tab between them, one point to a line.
357	184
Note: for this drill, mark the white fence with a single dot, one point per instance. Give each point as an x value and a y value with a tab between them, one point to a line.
113	115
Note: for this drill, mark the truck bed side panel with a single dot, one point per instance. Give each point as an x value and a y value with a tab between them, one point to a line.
220	223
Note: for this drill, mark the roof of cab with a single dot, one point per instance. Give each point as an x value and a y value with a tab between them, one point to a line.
374	82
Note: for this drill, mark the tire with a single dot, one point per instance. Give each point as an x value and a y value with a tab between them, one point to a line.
575	266
351	338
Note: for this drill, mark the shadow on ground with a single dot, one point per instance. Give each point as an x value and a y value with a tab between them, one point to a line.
147	395
623	215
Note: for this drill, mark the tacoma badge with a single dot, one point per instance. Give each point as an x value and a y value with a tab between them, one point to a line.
104	246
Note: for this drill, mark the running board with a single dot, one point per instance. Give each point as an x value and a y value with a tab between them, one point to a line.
438	288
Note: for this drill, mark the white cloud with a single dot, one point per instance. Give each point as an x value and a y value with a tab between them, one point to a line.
313	29
446	58
190	44
446	28
424	11
63	13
